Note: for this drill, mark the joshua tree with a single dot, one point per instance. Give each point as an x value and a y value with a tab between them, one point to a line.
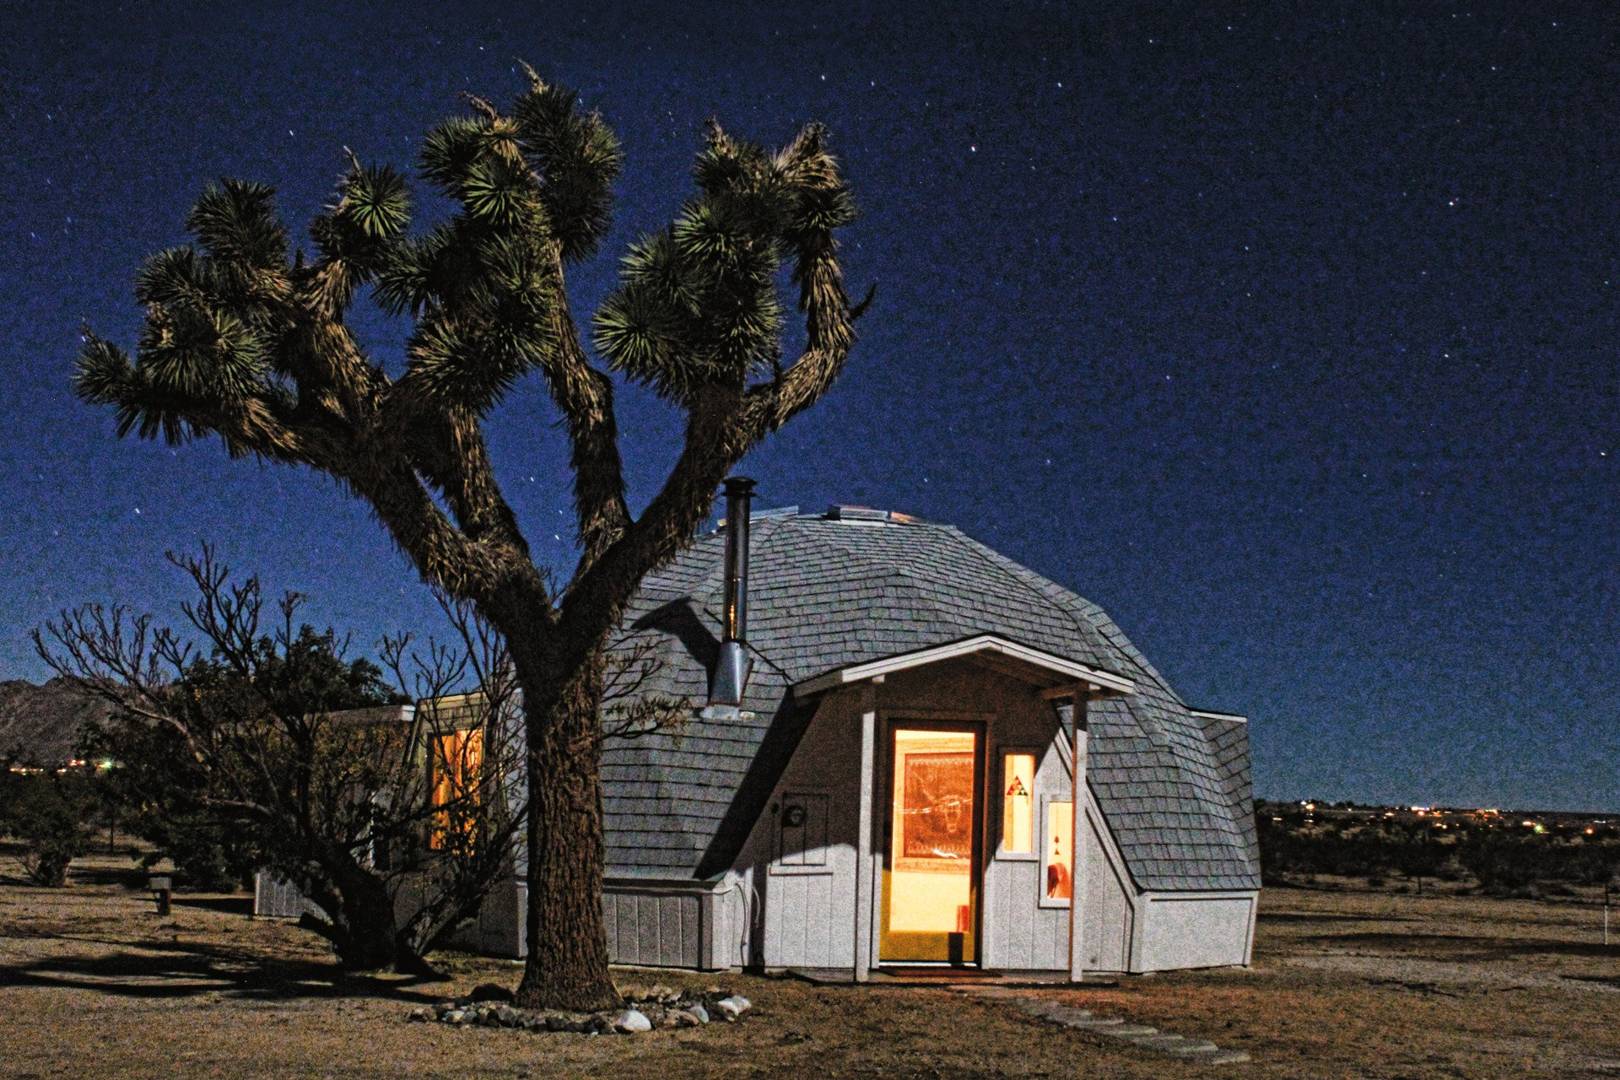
246	343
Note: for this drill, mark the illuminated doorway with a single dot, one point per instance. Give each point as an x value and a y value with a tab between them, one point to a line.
931	873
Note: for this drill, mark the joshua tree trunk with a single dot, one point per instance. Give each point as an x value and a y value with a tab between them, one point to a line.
568	962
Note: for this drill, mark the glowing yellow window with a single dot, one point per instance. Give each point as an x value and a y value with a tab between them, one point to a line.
457	756
1059	855
1017	804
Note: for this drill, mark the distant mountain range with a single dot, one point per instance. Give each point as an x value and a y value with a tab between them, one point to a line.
40	725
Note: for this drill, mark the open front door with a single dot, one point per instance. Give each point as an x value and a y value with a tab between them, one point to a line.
931	871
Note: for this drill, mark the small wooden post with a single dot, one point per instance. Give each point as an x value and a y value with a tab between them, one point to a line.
161	886
1077	780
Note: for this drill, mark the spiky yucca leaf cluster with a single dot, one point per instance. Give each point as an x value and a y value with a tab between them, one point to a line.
213	315
577	158
357	235
535	190
697	304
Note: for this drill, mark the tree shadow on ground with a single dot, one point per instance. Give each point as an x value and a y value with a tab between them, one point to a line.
132	876
1468	947
180	969
225	904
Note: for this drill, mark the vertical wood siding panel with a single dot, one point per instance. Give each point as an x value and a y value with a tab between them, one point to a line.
1054	938
615	924
670	937
801	921
827	955
1023	899
810	951
692	931
840	928
791	925
646	929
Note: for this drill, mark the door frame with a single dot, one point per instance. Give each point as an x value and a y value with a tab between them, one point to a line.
979	729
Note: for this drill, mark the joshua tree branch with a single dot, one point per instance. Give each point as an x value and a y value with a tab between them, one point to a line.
584	396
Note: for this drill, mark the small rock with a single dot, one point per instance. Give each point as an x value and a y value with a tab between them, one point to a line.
454	1016
443	1007
558	1022
698	1012
732	1007
662	993
490	992
422	1015
1096	1023
631	1021
683	1018
507	1016
1190	1048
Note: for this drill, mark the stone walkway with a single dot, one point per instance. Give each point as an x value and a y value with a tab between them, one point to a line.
1201	1051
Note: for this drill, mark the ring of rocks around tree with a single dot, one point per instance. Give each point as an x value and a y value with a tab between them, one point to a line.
645	1009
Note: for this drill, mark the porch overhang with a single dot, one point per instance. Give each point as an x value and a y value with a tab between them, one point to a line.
1036	665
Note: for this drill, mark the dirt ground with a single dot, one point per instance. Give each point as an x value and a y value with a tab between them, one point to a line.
94	984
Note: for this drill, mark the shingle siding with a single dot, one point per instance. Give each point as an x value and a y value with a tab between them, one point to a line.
827	594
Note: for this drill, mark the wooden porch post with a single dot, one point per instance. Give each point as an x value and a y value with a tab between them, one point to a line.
863	839
1077	779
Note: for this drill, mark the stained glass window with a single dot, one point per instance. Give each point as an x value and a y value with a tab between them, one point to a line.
1059	855
1018	804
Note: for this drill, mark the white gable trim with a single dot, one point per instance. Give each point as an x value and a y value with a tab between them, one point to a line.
1100	681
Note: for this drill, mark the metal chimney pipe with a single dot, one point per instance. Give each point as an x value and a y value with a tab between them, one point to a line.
731	669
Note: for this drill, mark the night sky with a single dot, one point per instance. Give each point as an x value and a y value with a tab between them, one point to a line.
1289	337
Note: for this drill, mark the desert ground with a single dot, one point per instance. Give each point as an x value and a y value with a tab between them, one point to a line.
93	983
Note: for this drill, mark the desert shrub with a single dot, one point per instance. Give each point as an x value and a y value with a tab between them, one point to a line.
1286	849
1503	864
1593	863
48	812
159	790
